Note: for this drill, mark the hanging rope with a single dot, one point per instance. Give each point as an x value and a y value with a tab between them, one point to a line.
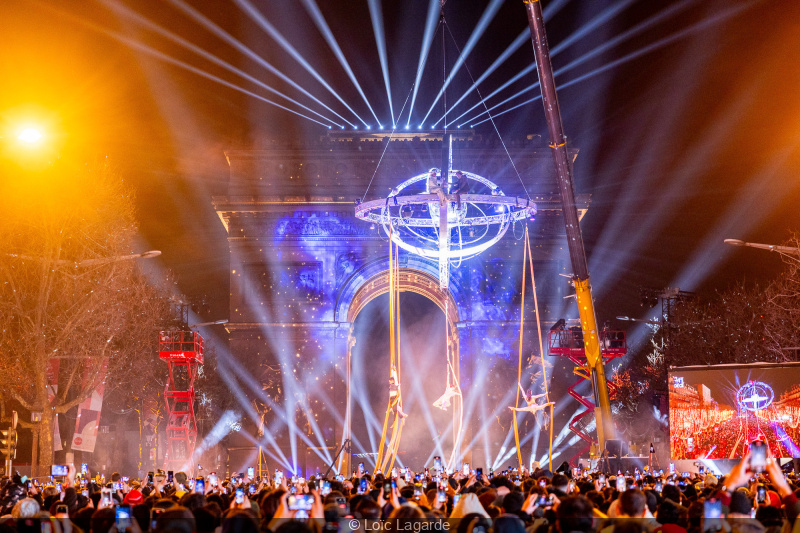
528	258
519	359
541	344
387	453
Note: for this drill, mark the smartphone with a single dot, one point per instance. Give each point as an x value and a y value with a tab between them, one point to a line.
465	469
387	490
701	469
154	512
150	478
360	469
620	484
761	494
758	456
542	501
543	482
659	487
123	517
239	495
251	489
170	476
199	485
300	502
84	468
58	487
479	472
602	480
394	473
437	463
441	494
325	487
712	513
417	490
672	468
491	473
251	472
105	497
339	478
362	486
59	470
62	509
117	485
455	499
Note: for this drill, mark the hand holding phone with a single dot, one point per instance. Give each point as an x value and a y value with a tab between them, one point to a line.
758	456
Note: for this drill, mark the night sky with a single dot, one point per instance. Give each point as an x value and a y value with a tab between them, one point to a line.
687	120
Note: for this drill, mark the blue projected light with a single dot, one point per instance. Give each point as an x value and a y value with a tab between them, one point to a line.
754	396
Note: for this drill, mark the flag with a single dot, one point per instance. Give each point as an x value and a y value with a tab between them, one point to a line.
88	421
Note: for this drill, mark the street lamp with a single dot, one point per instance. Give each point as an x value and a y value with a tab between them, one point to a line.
783	250
30	135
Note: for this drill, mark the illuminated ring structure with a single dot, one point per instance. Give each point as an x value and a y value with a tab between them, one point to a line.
420	232
754	396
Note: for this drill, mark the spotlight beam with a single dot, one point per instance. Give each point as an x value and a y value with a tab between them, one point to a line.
524	37
477	33
228	38
323	27
127	12
427	40
636	30
521	39
376	14
630	57
259	18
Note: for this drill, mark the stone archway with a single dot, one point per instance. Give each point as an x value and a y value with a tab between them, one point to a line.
425	284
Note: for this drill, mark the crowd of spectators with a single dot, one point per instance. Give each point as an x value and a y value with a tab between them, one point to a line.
512	501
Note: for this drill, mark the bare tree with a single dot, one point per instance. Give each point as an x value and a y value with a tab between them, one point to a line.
74	308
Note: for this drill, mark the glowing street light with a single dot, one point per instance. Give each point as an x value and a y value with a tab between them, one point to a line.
783	250
30	135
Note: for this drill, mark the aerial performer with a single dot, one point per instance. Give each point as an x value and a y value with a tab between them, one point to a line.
394	393
530	399
435	185
444	400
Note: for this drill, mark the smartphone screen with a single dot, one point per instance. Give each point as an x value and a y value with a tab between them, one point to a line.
239	495
602	480
437	463
325	488
123	517
761	494
251	472
170	476
621	484
362	486
200	486
479	472
441	494
360	469
150	478
672	468
465	469
712	508
758	456
84	468
59	470
300	502
387	490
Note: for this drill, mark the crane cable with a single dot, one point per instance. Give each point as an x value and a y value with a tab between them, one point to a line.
528	257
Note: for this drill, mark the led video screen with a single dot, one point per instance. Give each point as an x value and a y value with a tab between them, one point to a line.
715	412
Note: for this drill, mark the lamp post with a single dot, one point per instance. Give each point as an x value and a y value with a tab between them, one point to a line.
787	251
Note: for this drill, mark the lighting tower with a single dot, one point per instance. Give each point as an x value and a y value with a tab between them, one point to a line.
183	353
580	268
